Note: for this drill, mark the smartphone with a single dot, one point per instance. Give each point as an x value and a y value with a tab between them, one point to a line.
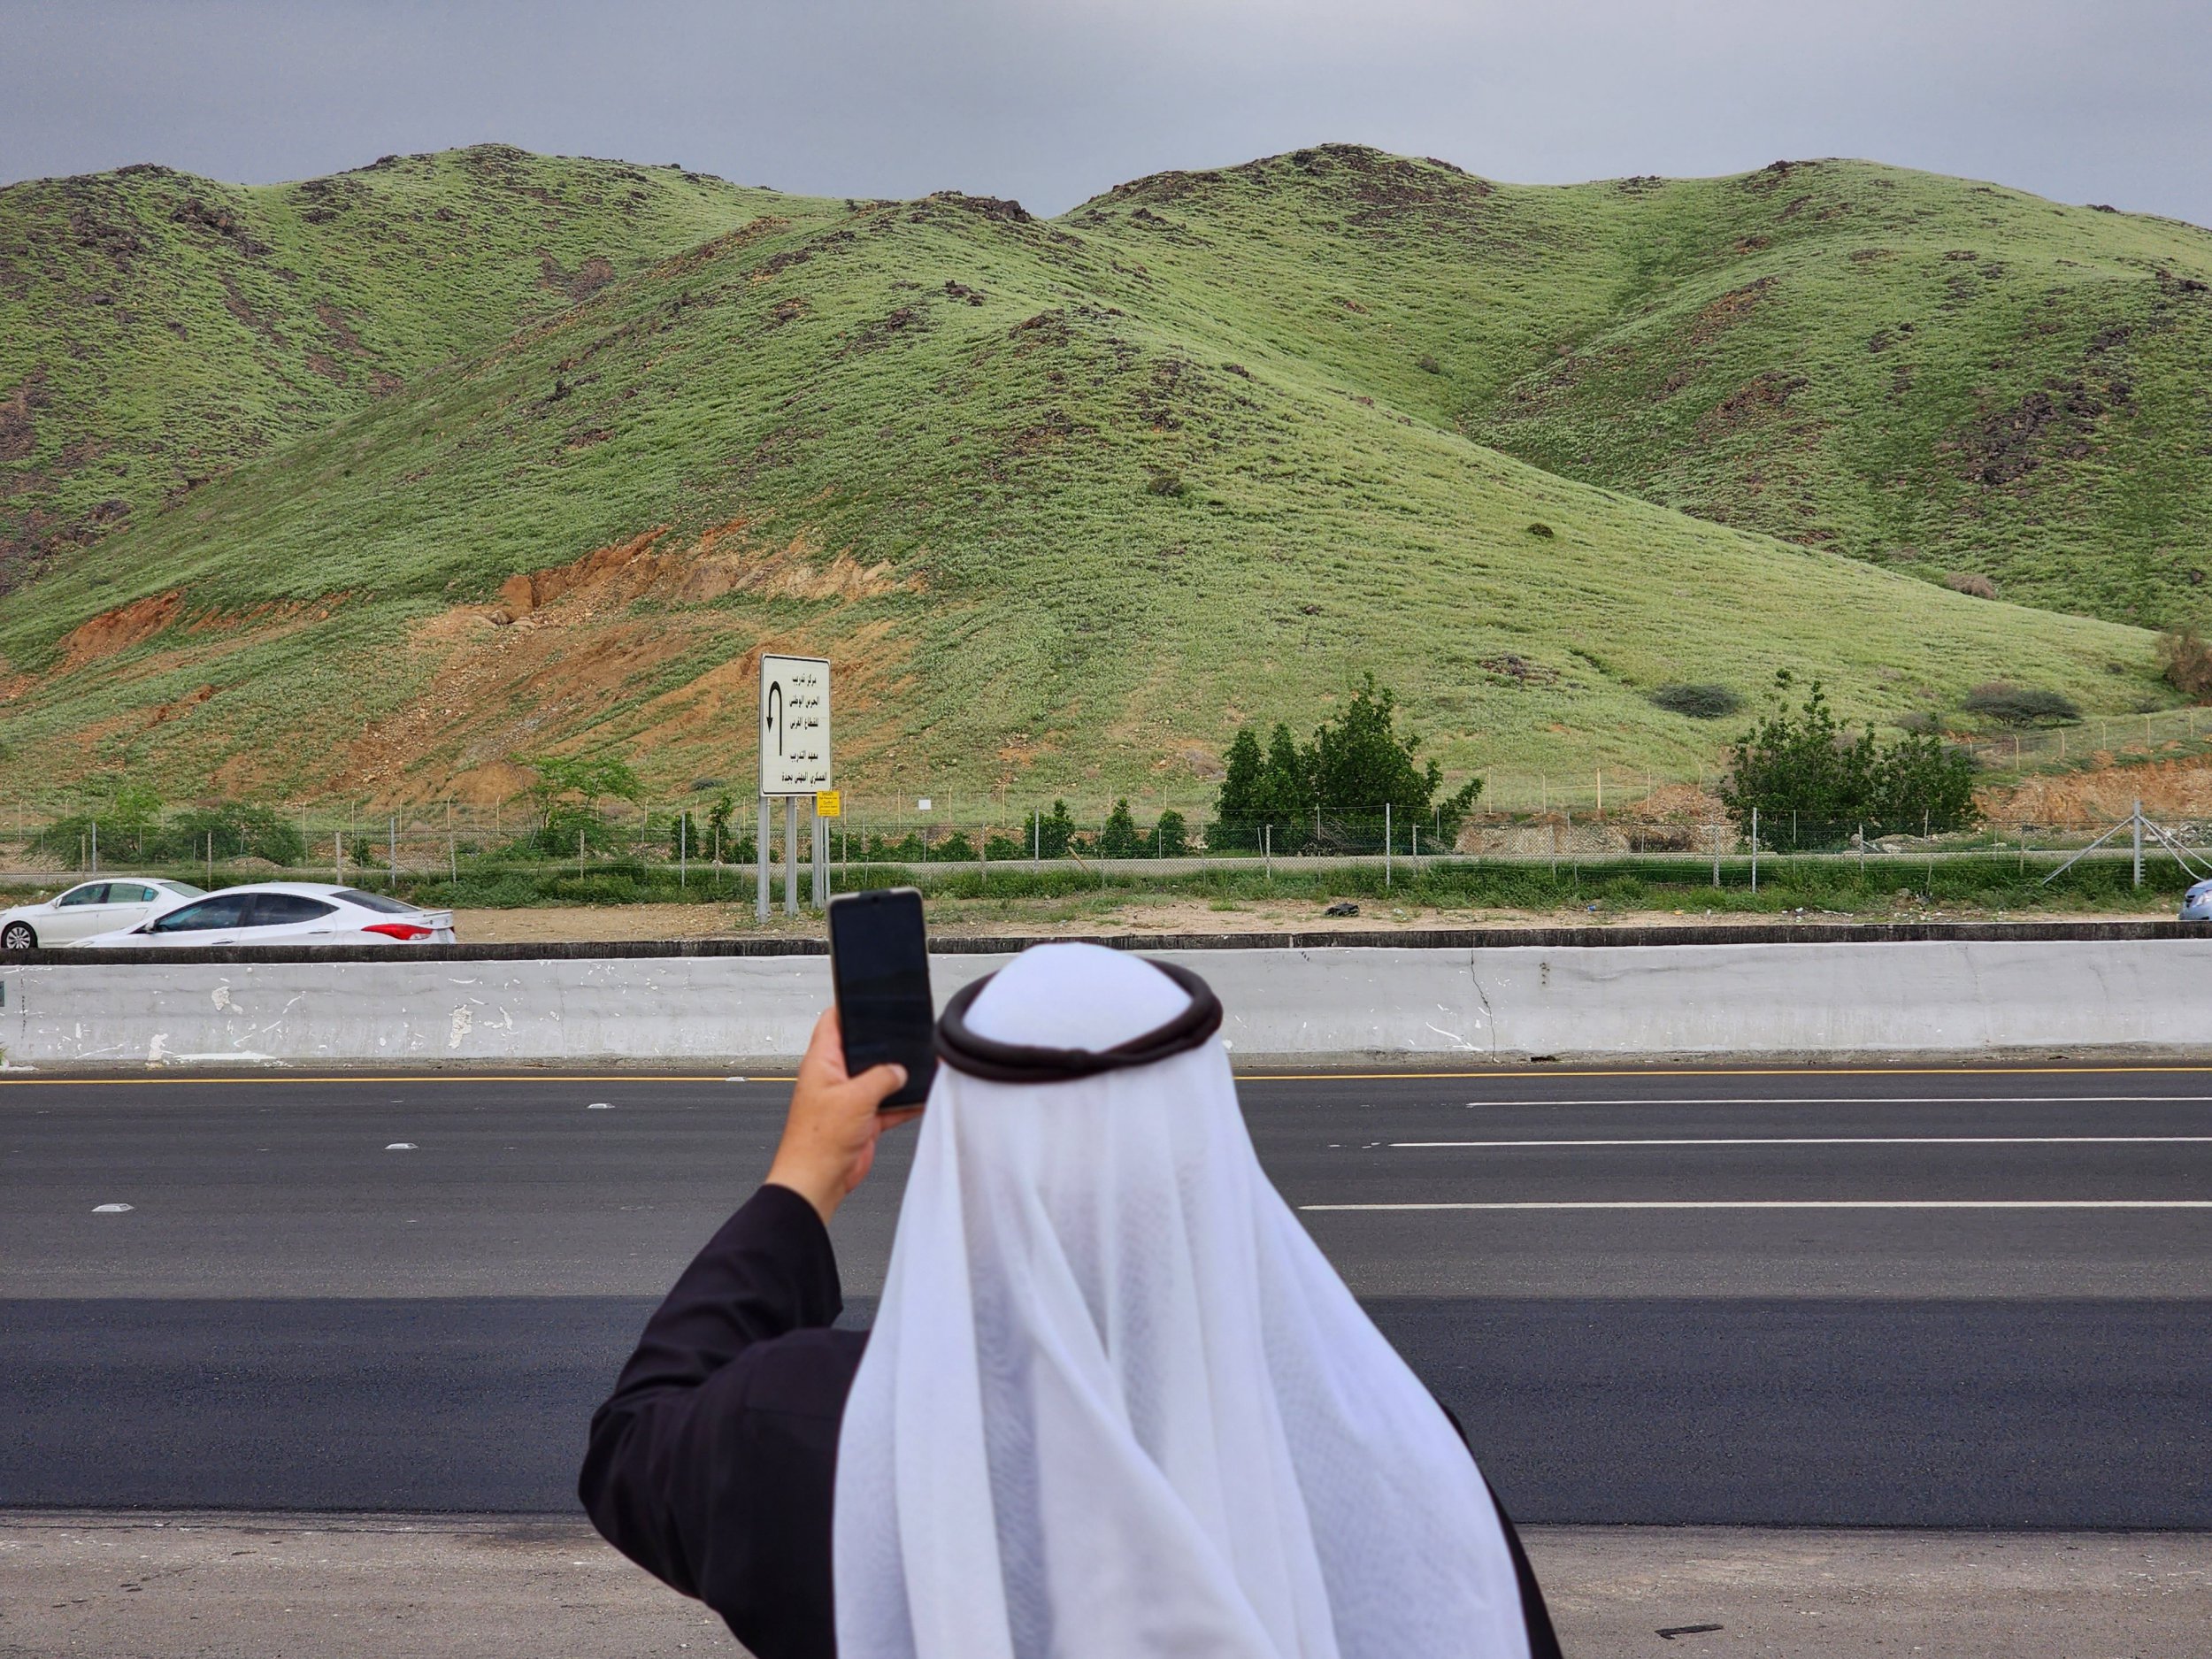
879	966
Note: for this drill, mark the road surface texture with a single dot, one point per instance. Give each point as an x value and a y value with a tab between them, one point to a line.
1887	1298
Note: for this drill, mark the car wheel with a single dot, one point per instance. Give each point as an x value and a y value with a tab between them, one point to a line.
18	936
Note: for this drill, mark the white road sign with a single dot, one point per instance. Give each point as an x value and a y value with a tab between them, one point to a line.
795	724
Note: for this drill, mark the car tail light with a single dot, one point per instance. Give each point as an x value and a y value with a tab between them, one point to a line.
408	930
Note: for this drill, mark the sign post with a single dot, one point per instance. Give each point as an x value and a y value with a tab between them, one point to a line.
795	761
828	804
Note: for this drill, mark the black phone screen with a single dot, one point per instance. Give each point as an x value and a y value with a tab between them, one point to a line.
880	964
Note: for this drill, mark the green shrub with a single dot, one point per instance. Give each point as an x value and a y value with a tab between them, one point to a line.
2020	705
2186	662
1171	837
1811	785
234	830
1699	702
1000	848
127	822
955	849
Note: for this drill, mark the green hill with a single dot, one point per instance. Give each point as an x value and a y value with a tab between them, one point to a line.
1065	501
156	328
1923	371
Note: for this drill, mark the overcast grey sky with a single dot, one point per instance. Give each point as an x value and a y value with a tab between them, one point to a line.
1050	102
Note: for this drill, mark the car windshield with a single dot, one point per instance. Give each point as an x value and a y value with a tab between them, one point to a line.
376	901
182	889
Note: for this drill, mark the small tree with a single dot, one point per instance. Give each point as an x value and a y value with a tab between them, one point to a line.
1055	831
567	794
1237	808
1119	838
718	816
1924	777
1360	763
1171	837
1286	797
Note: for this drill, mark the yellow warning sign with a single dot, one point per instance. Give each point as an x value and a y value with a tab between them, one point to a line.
829	804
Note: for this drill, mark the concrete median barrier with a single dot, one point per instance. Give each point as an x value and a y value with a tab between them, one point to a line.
1967	996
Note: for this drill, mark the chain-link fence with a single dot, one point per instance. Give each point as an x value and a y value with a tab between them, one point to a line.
586	853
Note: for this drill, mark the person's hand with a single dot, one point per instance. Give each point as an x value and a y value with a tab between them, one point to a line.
829	1137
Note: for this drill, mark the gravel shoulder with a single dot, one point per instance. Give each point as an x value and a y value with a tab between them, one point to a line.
954	918
92	1587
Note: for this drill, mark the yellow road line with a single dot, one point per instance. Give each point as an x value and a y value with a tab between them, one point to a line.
404	1077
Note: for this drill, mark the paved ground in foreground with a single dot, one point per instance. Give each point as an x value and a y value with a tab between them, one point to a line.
488	1587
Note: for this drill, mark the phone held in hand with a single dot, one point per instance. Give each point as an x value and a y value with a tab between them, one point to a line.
879	966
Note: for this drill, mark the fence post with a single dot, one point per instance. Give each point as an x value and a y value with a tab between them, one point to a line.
760	865
391	828
791	855
337	858
1716	857
95	846
683	847
2138	827
1385	843
1754	850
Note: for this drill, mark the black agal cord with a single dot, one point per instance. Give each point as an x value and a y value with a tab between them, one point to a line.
964	1050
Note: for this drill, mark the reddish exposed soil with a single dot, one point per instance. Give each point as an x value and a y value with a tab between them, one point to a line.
119	629
2169	789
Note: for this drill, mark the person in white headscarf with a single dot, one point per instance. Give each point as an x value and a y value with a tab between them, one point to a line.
1115	1401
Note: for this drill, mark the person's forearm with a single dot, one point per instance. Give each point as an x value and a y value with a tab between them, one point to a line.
769	1270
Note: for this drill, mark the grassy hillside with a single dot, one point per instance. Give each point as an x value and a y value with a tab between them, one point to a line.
1066	503
1942	376
156	328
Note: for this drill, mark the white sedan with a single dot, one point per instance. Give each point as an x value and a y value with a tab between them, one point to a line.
283	913
101	906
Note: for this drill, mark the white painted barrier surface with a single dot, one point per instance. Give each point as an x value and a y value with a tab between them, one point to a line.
1962	997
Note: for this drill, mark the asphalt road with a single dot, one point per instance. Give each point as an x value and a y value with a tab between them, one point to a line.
1884	1297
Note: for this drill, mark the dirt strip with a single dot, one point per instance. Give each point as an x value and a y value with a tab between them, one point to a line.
1042	918
94	1586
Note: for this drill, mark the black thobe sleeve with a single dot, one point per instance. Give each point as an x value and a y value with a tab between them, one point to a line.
712	1464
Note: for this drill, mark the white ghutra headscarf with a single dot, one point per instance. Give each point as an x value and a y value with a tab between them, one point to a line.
1116	1403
